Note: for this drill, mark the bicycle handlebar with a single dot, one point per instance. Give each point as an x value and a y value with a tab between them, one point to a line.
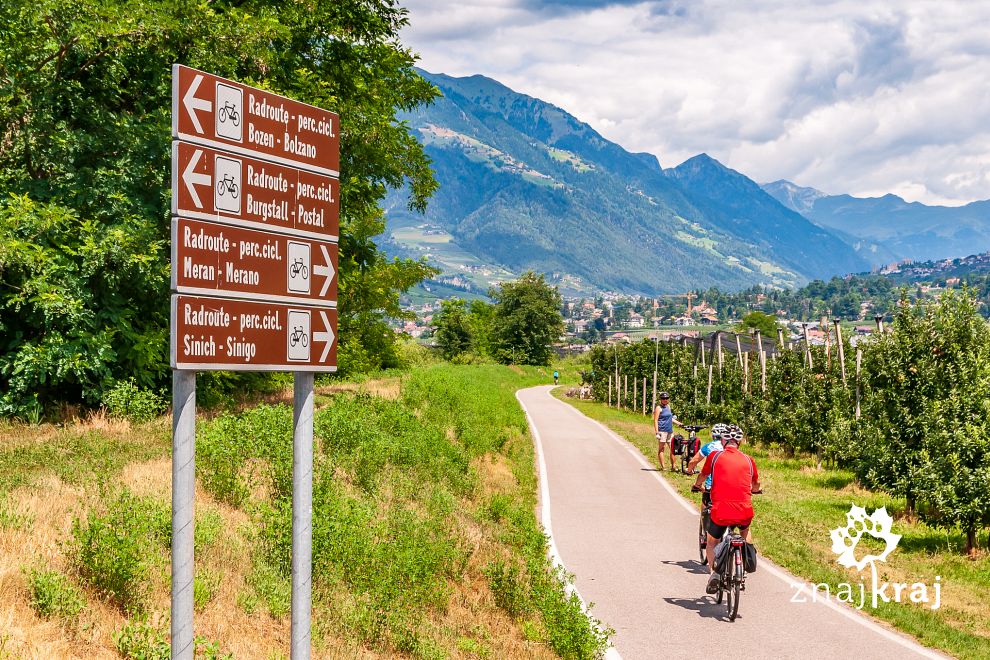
689	427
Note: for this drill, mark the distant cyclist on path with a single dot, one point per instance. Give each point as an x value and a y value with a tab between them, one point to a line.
555	377
734	479
663	423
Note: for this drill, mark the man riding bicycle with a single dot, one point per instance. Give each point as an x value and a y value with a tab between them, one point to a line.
734	479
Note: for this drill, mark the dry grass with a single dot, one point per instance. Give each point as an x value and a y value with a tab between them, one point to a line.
386	388
52	504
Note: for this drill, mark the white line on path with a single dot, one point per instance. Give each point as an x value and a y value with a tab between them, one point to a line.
793	581
569	588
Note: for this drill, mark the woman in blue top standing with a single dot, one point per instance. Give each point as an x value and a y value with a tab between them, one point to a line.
663	422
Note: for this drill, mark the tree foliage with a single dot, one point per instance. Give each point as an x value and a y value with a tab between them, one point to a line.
526	321
765	323
84	170
452	330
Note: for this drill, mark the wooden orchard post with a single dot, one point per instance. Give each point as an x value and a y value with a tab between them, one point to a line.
625	389
739	351
841	351
763	370
708	397
745	370
610	390
807	348
780	338
644	395
702	352
859	364
635	393
718	338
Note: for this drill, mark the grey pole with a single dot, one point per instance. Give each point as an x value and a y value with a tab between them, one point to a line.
183	508
302	515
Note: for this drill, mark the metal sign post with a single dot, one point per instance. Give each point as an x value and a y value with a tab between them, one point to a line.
302	514
183	501
256	214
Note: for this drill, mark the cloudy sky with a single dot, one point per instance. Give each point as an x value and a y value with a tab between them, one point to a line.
858	96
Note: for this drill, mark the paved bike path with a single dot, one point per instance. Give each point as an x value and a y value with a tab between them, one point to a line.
630	541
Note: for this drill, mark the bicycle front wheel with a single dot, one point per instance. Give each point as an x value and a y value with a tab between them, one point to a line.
702	538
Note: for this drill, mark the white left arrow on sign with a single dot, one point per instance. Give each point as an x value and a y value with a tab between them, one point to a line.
327	337
192	178
193	104
326	271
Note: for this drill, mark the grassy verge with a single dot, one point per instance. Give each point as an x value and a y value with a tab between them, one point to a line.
803	502
425	540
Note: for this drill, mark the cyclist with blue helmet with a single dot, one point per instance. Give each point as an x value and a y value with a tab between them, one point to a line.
715	445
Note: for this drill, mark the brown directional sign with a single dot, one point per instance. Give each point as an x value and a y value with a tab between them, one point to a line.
217	112
239	335
215	259
222	187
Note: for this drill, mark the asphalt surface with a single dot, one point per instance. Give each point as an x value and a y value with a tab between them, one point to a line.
630	541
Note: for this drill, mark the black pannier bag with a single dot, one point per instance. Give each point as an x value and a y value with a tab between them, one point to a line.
749	558
722	553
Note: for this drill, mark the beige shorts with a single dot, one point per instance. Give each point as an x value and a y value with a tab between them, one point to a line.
664	437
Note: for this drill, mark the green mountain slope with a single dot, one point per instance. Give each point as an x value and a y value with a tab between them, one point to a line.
733	200
524	184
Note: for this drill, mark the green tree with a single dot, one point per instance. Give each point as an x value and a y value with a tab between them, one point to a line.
925	416
480	321
85	90
952	477
525	321
452	330
765	323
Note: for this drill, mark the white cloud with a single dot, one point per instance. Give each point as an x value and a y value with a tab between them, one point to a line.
857	96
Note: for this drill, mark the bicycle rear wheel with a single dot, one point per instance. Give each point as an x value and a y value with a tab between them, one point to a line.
734	589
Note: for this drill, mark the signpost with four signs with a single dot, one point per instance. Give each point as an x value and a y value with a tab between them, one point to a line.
256	211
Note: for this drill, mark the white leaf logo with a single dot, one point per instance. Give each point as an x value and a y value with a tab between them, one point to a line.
845	539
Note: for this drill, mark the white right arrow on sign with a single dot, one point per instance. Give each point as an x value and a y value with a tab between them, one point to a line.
326	271
327	337
193	104
192	179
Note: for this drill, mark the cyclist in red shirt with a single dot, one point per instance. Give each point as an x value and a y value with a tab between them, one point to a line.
734	479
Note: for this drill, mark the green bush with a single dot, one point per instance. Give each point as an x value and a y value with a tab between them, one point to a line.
111	549
226	444
140	640
566	626
126	400
508	587
209	524
413	354
10	519
53	595
205	586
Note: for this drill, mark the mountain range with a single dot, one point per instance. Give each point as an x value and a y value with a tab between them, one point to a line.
525	185
890	228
